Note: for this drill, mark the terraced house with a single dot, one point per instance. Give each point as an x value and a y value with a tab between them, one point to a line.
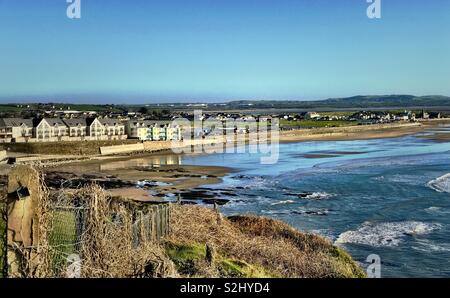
15	130
151	130
50	130
164	131
19	130
94	129
77	127
113	129
137	129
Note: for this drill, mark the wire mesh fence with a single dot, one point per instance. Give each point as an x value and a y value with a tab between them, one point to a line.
80	231
67	227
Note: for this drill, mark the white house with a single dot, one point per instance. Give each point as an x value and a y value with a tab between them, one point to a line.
50	130
15	130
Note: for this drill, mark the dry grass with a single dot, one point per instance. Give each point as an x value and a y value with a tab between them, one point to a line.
107	248
3	271
265	242
43	218
100	230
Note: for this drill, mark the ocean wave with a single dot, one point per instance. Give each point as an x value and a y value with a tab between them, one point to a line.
328	234
283	202
425	245
437	210
311	211
385	234
318	196
275	212
253	182
441	184
385	161
405	179
309	195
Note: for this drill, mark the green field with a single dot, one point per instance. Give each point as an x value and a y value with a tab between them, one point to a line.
316	123
337	113
9	109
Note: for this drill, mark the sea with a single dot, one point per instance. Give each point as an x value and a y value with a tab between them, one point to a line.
388	197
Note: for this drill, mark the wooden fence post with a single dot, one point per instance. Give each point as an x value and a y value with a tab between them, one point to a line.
23	196
3	223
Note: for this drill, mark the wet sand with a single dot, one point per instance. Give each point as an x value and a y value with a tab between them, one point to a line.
326	154
438	137
164	178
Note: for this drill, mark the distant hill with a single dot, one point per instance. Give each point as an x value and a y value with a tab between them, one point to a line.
348	102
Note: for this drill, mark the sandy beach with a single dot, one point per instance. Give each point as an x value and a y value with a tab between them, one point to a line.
376	131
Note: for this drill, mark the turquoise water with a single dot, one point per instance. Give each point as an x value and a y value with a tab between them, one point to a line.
387	196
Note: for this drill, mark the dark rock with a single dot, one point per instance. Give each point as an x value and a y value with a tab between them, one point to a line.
220	202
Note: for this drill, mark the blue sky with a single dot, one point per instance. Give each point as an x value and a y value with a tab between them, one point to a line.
142	51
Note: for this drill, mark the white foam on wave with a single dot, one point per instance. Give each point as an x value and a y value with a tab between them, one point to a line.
150	183
283	202
254	182
441	184
318	196
385	234
275	212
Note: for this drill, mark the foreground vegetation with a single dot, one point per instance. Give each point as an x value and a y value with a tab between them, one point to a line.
116	239
2	237
204	244
250	246
194	260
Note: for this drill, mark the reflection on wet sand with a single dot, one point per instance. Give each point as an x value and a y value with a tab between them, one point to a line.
154	161
440	134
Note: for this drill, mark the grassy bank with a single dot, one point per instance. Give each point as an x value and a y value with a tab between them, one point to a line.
192	260
250	246
285	124
63	148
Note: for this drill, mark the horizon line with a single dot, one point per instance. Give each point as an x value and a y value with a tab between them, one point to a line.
25	100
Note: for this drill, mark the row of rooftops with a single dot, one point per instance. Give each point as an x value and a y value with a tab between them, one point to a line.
150	122
73	122
15	122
